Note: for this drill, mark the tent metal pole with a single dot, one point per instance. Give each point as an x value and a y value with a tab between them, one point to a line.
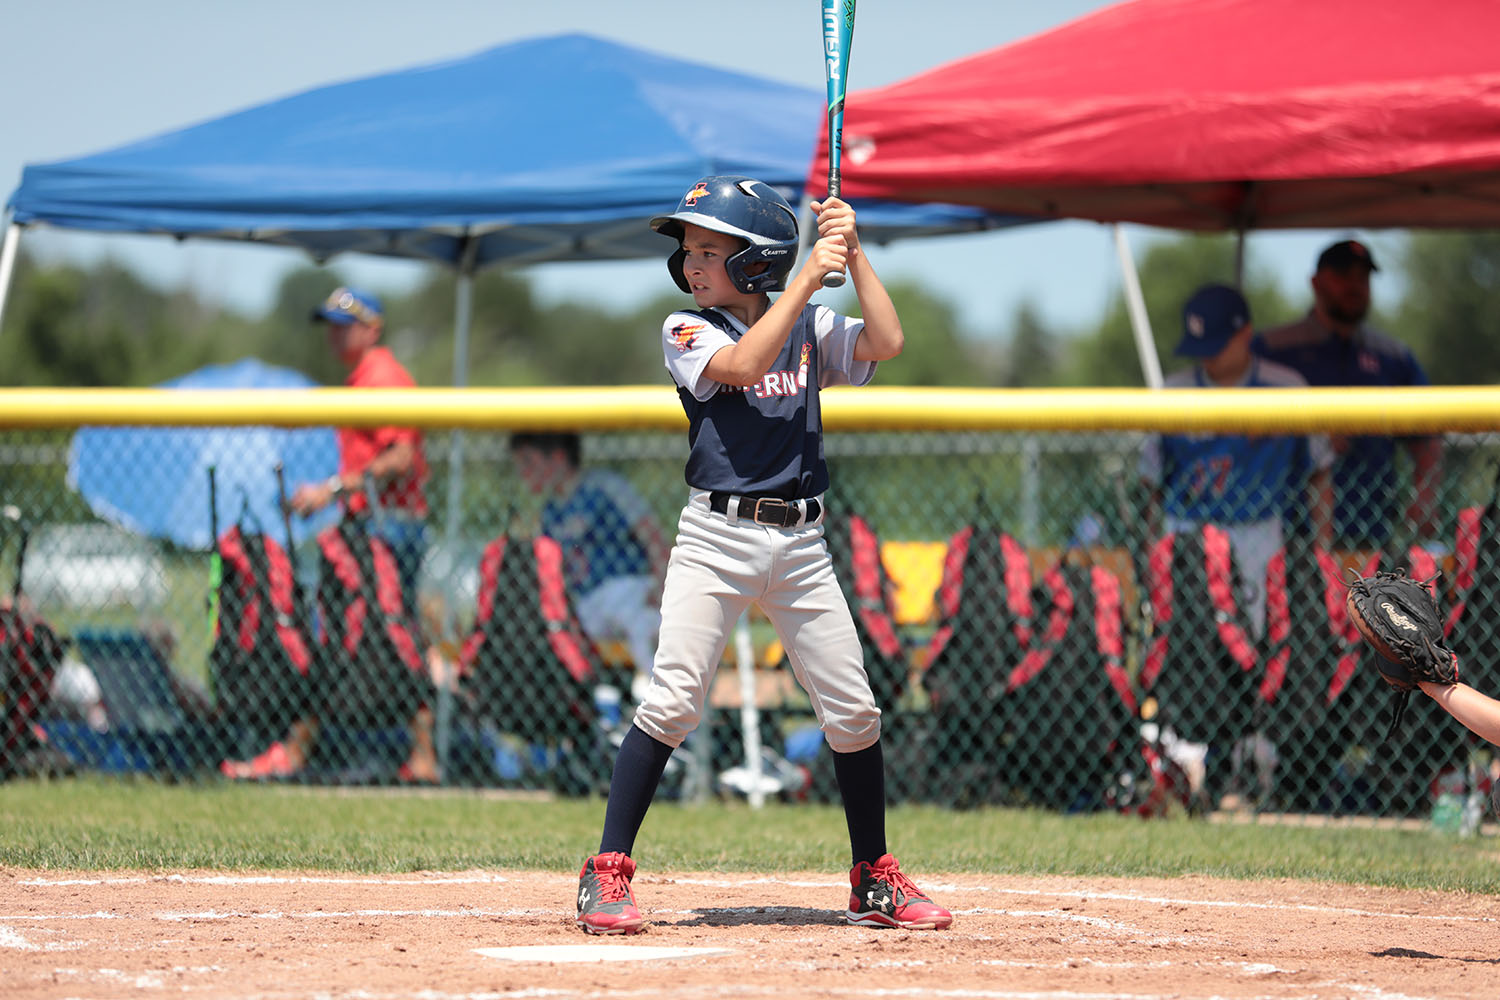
1239	258
1135	304
8	263
463	319
807	225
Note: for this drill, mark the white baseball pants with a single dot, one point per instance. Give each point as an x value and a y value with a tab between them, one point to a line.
719	566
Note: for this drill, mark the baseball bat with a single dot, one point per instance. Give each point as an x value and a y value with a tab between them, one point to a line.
286	509
12	513
291	542
838	32
215	558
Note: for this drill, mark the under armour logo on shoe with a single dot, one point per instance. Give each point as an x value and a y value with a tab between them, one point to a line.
881	903
583	897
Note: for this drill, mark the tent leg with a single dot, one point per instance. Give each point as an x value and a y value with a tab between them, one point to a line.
1135	303
7	264
749	711
1031	463
463	316
1239	258
807	225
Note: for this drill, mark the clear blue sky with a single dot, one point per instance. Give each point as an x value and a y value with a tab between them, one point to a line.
81	76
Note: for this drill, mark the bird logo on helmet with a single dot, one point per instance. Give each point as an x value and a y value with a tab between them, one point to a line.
745	208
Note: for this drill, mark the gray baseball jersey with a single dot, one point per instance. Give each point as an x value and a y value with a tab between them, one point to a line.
763	440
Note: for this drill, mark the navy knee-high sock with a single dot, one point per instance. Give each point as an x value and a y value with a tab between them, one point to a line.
632	786
861	777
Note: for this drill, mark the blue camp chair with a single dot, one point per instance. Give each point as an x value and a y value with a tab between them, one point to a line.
148	728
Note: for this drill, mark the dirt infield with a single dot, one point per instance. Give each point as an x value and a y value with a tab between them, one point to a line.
212	935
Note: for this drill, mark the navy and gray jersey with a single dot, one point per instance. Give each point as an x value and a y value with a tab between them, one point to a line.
765	439
1230	479
1364	476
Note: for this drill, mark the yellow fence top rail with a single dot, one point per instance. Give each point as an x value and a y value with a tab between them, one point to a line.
1278	411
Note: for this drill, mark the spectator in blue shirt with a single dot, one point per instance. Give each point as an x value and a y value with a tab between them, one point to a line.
1242	483
614	553
1332	345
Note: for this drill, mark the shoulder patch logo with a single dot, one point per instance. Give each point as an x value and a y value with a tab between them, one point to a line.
685	335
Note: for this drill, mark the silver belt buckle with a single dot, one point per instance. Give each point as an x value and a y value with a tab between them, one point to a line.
775	504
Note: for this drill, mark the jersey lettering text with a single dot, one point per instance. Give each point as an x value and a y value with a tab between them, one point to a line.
777	384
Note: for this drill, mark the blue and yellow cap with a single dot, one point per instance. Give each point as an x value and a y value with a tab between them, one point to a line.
348	305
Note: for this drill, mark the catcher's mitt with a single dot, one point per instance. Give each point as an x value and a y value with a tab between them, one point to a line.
1399	618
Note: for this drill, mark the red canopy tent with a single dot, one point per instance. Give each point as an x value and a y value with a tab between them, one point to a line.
1204	115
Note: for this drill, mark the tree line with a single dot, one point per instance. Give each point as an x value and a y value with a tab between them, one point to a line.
102	325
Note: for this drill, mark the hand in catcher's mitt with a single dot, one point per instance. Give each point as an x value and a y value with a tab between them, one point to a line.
1399	618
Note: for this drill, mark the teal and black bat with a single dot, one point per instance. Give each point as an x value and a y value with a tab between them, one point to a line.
838	33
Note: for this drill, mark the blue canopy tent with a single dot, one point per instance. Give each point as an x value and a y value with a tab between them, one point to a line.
549	149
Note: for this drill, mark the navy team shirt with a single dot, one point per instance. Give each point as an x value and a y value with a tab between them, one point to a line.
1364	476
1231	479
595	527
765	439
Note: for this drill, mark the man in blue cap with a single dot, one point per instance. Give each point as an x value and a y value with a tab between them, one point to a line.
1332	345
1244	484
391	461
391	456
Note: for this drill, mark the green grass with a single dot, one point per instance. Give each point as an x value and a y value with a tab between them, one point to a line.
93	823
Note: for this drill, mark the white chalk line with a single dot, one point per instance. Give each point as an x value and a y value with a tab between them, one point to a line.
15	941
1086	894
1092	894
182	916
1102	923
858	993
149	980
414	880
475	911
96	915
539	993
1106	926
486	879
153	980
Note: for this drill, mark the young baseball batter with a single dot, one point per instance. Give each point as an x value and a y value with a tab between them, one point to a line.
748	371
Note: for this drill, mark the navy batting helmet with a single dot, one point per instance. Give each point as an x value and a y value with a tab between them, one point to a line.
748	209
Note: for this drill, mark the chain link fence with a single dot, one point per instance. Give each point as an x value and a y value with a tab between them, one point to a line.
1033	637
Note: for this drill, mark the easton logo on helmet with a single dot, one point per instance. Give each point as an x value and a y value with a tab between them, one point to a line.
752	212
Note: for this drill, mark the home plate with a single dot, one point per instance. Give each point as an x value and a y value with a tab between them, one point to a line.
597	953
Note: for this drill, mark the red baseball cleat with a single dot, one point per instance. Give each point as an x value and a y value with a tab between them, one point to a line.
605	903
883	897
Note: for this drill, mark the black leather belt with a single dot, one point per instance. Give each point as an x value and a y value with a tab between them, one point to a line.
773	511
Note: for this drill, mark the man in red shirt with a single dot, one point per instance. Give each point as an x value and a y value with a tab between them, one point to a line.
392	459
391	455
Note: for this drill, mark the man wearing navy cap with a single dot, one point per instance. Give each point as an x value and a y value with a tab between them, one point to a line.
1244	484
1332	345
